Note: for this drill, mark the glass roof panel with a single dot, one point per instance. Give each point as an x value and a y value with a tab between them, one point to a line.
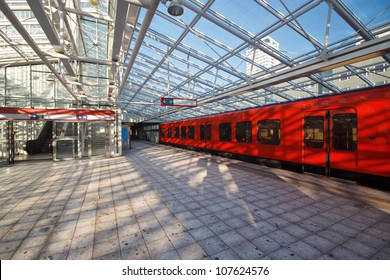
284	6
372	13
248	15
218	33
168	28
207	52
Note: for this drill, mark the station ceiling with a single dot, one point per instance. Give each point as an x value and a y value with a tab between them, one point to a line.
128	53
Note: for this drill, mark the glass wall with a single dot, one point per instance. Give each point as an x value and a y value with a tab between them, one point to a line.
67	140
99	135
22	131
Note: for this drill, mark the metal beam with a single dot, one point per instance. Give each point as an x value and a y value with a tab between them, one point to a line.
44	21
14	62
230	52
184	61
132	18
14	46
27	37
41	16
360	75
95	15
251	41
354	22
271	52
175	44
141	3
285	20
141	35
202	36
120	23
179	72
124	44
185	49
61	6
361	52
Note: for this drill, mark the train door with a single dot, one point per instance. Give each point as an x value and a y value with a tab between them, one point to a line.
330	142
205	134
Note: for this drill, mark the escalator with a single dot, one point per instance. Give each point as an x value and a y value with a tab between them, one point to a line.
43	142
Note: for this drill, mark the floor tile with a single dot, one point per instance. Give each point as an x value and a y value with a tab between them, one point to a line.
213	245
248	251
200	207
192	252
284	254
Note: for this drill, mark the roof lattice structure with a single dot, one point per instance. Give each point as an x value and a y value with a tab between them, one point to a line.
227	54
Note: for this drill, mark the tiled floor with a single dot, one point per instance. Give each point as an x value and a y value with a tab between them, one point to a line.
158	202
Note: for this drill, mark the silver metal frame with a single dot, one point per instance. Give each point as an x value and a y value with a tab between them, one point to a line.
119	55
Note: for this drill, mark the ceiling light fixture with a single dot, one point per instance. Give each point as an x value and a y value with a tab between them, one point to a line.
175	8
94	3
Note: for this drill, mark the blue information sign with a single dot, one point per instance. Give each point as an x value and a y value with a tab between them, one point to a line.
165	101
183	102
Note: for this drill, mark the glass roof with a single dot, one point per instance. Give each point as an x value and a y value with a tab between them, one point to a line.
227	54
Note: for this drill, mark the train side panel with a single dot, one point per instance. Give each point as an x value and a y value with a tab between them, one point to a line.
365	152
374	133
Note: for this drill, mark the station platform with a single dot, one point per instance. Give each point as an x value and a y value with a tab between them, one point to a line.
159	202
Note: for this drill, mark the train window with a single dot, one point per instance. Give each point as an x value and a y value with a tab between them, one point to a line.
177	132
208	132
191	132
268	132
183	132
205	132
344	132
314	132
162	132
244	132
225	132
170	132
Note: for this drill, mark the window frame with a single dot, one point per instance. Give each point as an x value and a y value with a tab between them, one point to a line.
342	133
205	132
183	132
247	132
273	140
225	128
191	132
313	142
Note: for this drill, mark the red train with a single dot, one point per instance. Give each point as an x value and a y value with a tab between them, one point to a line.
345	135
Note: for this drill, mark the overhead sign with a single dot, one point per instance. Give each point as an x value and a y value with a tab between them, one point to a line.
37	117
183	102
81	117
51	114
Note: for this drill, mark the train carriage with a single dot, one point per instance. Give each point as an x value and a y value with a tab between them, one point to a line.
346	135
